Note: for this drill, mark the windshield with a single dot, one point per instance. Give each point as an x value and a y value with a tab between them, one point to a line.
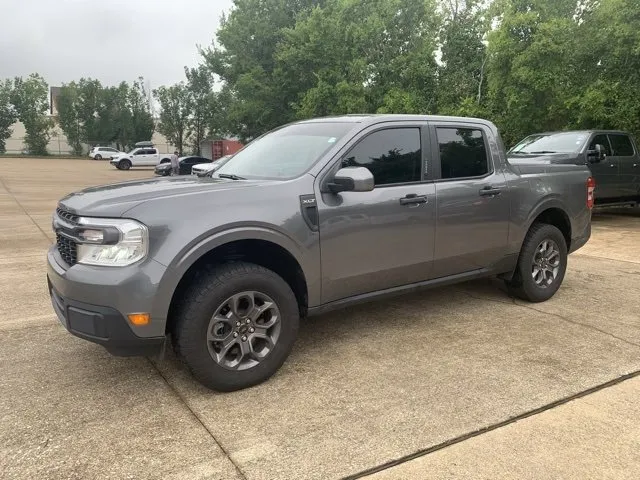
566	142
285	153
131	152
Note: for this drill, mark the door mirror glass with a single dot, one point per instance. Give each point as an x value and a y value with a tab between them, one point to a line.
352	179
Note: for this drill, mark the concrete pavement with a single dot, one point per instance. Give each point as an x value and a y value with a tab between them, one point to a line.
364	387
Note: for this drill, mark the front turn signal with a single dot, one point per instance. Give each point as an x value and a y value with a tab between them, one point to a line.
139	319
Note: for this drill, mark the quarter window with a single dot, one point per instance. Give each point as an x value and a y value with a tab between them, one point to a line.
462	152
621	145
392	155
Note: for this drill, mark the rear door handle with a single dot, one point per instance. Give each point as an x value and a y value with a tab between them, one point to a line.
490	191
413	199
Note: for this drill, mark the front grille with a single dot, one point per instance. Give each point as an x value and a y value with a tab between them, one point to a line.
68	249
68	216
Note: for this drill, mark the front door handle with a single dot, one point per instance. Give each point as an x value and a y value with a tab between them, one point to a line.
613	165
490	191
413	199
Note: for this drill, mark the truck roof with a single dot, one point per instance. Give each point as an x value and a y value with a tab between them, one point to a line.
589	131
383	117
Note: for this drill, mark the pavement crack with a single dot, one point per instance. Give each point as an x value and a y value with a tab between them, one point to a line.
15	199
581	324
557	315
492	427
198	419
584	255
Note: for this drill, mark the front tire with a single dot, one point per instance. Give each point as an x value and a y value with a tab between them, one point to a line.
124	164
98	157
236	326
541	265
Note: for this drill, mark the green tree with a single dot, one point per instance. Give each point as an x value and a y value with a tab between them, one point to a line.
142	124
69	118
202	101
243	58
461	75
30	99
8	114
175	111
609	55
356	56
532	66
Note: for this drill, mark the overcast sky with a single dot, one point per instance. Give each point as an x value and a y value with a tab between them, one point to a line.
111	40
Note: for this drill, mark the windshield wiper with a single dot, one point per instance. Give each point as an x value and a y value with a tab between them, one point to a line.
230	176
542	151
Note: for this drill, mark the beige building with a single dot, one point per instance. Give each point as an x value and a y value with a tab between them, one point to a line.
58	144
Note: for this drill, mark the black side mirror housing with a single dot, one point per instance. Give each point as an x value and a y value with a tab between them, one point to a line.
597	155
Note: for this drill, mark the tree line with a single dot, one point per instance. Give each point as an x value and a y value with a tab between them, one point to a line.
527	65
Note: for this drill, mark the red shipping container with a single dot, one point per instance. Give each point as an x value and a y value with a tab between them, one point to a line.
221	148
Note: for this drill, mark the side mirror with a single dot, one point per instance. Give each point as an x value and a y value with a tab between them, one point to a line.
597	155
352	179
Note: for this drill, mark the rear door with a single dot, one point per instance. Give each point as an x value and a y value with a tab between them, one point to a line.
626	155
473	207
606	172
151	157
375	240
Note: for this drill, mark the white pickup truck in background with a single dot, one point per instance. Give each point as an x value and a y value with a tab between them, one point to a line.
140	157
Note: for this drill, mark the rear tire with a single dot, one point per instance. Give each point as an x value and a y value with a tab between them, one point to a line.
220	333
541	265
98	157
124	164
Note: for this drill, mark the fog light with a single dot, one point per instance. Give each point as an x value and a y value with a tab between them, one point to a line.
139	318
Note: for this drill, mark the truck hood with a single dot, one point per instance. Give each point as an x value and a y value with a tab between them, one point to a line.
535	164
116	199
551	158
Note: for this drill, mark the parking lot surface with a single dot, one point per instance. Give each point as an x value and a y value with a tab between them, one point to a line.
458	382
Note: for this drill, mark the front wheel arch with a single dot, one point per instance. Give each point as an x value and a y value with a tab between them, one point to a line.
262	250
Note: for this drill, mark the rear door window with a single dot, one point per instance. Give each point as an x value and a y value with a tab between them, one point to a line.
621	145
463	153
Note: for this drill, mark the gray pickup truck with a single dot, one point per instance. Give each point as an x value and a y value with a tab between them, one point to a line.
313	216
612	156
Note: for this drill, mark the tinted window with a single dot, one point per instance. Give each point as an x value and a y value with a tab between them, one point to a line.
393	156
462	152
602	140
621	145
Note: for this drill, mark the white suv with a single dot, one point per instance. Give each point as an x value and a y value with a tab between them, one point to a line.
140	157
98	153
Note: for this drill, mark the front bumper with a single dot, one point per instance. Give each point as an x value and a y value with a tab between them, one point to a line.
92	304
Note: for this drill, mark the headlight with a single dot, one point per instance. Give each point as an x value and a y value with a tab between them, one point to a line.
111	242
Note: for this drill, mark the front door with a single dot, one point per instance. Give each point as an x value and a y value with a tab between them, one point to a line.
375	240
606	172
473	207
626	156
